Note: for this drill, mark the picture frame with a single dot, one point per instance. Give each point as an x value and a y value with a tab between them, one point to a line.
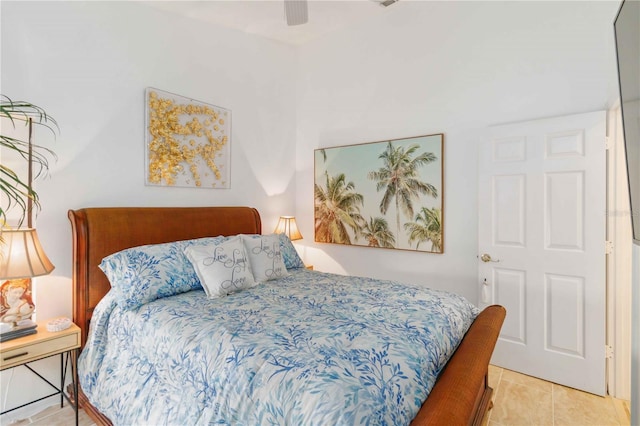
385	194
16	309
187	142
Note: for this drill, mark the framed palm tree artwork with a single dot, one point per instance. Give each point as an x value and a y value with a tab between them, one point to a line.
384	194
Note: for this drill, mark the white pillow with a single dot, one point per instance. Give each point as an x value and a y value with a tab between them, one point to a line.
265	256
222	269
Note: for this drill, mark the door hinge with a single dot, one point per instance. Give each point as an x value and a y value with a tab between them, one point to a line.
607	142
608	247
608	351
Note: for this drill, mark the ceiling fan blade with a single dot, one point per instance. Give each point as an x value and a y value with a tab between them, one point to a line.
296	12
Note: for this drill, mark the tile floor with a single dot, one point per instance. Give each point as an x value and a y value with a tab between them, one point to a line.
56	416
525	400
518	400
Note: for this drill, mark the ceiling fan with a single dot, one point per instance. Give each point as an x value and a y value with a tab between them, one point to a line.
296	11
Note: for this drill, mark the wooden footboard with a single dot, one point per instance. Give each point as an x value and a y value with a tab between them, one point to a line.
461	396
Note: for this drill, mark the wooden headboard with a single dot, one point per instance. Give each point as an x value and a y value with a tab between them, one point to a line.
99	232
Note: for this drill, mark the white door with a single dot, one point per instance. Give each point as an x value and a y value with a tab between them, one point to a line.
542	210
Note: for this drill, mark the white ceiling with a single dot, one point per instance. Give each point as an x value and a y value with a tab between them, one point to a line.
265	18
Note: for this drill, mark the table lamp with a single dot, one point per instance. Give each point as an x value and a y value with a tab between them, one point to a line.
21	258
287	225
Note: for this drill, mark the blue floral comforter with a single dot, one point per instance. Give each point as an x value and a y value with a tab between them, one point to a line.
307	349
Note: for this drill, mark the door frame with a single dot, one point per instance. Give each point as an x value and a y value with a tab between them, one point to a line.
619	261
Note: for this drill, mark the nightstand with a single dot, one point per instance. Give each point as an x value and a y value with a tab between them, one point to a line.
44	344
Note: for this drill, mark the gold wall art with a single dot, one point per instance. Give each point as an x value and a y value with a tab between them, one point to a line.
187	142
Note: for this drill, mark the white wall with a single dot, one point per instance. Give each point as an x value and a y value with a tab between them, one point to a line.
87	64
452	68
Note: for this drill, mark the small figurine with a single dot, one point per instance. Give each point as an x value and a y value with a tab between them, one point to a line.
16	304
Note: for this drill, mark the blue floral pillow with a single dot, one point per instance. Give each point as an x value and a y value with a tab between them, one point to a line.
143	274
289	253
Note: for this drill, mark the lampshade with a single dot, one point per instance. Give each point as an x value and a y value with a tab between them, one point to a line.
21	255
287	225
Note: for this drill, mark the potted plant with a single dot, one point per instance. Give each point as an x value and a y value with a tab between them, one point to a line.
17	192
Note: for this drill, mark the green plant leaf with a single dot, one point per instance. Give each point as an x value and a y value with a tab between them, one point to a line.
16	191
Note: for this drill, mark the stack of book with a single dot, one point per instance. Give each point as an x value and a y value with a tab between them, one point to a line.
18	331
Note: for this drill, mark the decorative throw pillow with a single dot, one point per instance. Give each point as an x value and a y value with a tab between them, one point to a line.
289	253
223	269
143	274
265	256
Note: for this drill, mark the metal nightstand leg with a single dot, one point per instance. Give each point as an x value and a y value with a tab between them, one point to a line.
64	364
73	356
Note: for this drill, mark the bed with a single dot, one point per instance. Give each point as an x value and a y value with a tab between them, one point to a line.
461	393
